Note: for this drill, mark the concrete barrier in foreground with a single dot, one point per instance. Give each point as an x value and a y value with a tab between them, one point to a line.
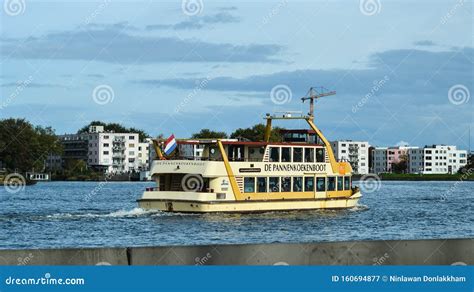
403	252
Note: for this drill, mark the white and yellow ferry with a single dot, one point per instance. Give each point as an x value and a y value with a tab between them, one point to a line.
222	175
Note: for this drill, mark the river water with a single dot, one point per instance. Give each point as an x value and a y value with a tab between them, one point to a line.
92	214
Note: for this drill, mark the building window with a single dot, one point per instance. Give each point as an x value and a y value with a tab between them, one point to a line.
286	184
274	154
262	184
106	152
320	155
331	183
106	137
309	184
285	154
309	155
249	185
297	184
131	137
320	184
340	183
131	153
274	184
106	144
297	154
131	145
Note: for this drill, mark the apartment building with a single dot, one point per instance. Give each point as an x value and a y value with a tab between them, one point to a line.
355	152
379	160
443	159
415	160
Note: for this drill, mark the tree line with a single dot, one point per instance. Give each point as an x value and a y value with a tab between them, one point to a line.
25	147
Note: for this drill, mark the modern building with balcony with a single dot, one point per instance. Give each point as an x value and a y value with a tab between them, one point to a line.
354	152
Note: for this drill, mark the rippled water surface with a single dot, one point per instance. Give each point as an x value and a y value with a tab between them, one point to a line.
89	214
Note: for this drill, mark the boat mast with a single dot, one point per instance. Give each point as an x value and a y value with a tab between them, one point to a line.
315	93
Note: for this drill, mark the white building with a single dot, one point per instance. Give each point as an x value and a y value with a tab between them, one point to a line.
443	159
144	154
355	152
113	152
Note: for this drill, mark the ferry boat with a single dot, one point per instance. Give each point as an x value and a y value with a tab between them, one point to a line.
232	176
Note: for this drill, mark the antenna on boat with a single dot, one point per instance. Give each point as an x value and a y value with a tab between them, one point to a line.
315	93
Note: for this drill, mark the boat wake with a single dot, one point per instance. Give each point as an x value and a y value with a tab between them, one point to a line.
359	208
136	212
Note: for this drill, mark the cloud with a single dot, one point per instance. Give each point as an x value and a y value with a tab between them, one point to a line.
419	75
113	45
425	43
197	22
33	85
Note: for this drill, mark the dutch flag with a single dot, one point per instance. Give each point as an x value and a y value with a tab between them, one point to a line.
170	145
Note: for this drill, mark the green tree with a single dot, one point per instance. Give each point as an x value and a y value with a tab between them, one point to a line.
401	166
208	134
469	167
257	133
24	147
115	127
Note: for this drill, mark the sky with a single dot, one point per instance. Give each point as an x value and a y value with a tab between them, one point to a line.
403	70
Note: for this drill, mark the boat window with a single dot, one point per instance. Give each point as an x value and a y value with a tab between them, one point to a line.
285	154
214	153
320	184
309	155
340	183
236	153
347	183
261	184
309	184
274	154
320	155
331	183
274	184
249	185
297	154
286	184
297	184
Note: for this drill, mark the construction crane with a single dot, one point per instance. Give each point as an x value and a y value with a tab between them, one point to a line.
315	93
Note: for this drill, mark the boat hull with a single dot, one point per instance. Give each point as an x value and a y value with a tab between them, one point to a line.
190	206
